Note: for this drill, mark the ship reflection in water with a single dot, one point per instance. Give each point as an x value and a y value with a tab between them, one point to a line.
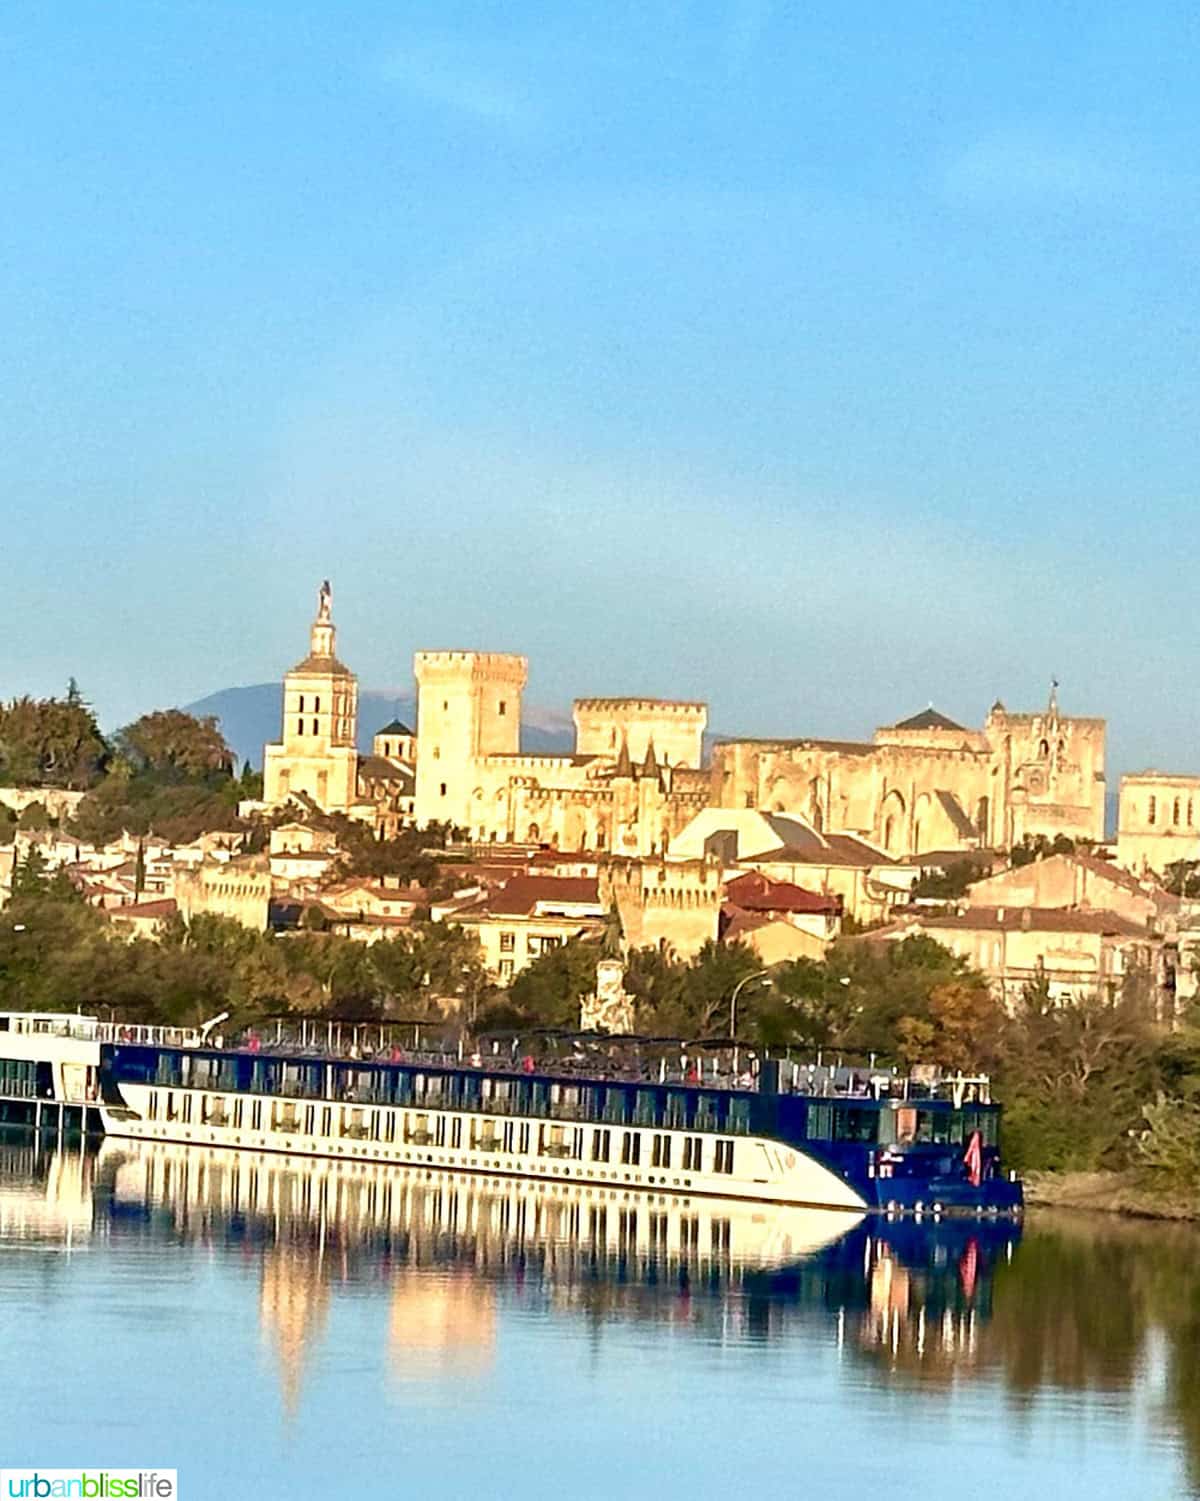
376	1294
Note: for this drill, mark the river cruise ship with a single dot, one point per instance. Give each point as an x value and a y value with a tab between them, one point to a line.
652	1115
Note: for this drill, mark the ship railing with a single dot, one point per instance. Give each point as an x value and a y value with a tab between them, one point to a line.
139	1034
85	1027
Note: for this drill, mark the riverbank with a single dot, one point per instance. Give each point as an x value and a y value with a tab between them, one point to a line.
1110	1193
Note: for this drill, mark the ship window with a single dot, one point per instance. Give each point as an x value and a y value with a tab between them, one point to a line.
615	1104
644	1112
693	1153
152	1111
707	1112
631	1148
820	1122
661	1151
456	1133
723	1158
853	1124
676	1116
524	1144
739	1117
601	1144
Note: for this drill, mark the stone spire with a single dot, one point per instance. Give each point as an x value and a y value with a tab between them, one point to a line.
321	637
624	766
649	768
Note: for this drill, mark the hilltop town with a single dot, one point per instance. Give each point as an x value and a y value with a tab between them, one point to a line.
783	846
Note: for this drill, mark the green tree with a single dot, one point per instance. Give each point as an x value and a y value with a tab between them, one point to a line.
548	991
175	745
51	742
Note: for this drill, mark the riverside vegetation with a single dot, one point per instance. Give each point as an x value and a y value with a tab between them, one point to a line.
1097	1094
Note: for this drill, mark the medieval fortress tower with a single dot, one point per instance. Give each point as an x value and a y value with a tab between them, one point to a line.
638	777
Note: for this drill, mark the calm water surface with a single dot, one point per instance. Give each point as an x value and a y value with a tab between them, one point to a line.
276	1330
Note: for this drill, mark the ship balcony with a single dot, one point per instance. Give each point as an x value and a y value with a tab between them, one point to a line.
489	1144
419	1138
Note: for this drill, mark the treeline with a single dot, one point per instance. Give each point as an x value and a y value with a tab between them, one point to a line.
1095	1085
168	772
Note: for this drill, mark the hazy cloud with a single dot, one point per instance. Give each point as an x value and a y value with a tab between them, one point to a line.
1016	167
445	74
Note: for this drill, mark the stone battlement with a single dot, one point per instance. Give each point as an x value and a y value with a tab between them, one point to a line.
677	708
492	663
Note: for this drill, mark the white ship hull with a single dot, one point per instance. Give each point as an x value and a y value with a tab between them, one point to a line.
615	1159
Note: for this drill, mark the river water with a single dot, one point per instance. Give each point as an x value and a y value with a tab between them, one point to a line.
272	1329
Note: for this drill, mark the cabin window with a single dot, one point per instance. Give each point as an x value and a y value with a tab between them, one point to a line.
660	1155
417	1130
601	1145
614	1105
256	1116
723	1157
693	1153
310	1116
509	1135
707	1112
524	1139
631	1148
739	1117
152	1106
456	1133
627	1228
676	1115
721	1235
238	1107
326	1121
853	1124
819	1126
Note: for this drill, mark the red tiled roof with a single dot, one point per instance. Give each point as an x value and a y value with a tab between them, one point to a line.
758	893
520	896
164	907
1038	920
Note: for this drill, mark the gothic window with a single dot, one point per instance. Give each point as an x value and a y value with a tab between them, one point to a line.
889	832
1044	750
534	834
1153	813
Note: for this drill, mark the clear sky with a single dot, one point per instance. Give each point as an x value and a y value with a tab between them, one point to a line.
820	360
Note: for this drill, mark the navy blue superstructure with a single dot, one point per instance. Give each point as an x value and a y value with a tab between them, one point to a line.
895	1145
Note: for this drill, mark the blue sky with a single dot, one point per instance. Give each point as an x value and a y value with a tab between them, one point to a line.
820	361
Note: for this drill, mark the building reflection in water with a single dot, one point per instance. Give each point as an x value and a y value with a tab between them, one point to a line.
1082	1305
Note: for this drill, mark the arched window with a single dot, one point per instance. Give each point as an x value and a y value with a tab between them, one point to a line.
534	834
1044	750
1153	810
889	832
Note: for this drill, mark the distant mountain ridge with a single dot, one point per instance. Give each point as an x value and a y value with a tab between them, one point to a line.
251	716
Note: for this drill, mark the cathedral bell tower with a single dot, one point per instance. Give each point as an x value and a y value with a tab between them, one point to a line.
316	753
